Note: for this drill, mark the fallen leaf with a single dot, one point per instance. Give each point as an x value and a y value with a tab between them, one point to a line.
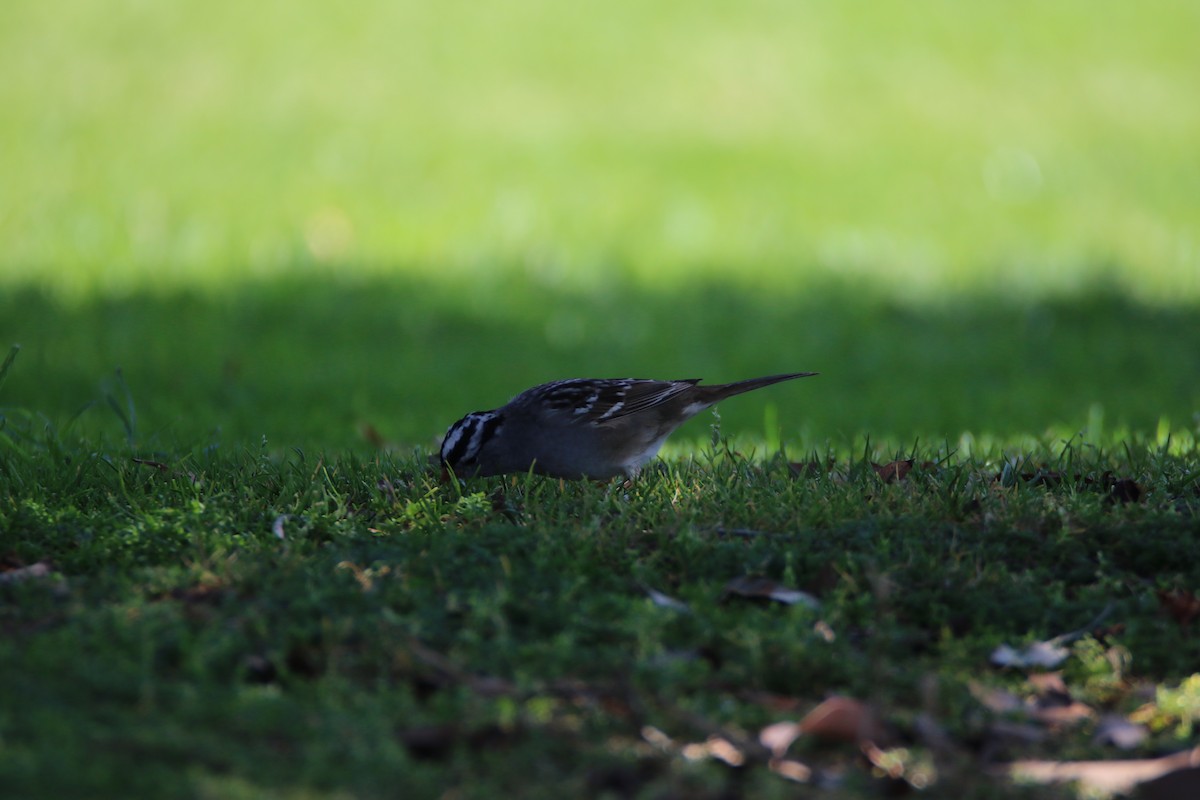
1054	705
666	601
40	569
822	629
657	738
1046	655
714	747
1049	684
364	575
892	768
1181	604
1057	715
842	719
767	589
790	769
997	700
895	471
1113	777
779	736
810	469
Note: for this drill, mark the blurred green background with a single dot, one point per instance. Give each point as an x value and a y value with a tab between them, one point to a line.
294	220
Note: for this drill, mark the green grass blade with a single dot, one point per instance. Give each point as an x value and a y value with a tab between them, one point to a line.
8	362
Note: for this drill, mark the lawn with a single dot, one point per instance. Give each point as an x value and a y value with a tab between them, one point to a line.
257	258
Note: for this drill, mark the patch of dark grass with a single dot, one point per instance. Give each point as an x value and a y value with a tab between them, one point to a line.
323	363
317	623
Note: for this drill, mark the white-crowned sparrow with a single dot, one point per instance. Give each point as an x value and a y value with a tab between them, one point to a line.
583	427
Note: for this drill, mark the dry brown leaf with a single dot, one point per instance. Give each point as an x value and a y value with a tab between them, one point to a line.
1057	715
822	629
1054	705
1118	490
809	469
895	471
1181	604
716	747
779	737
1049	683
997	700
1113	777
843	719
884	766
790	769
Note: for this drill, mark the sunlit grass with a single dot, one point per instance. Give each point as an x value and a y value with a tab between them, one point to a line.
1029	149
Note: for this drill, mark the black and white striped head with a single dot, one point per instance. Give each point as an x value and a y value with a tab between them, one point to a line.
465	440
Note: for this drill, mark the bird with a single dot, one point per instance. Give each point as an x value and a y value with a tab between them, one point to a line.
594	428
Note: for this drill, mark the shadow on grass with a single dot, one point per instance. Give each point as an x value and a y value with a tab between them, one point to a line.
309	361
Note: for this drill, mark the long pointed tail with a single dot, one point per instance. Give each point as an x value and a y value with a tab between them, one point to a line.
720	391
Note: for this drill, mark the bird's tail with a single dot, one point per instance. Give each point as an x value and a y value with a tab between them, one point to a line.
720	391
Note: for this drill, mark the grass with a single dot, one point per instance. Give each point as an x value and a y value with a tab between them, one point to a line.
198	144
313	363
258	260
296	224
243	625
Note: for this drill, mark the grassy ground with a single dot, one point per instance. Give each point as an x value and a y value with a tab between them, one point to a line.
149	147
259	258
238	625
311	363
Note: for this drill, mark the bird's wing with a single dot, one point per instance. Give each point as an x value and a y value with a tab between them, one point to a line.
582	400
637	396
